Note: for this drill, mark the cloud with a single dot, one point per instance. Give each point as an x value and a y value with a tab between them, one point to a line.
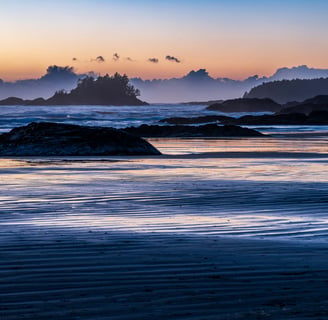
74	59
129	59
100	59
116	57
153	60
172	59
61	71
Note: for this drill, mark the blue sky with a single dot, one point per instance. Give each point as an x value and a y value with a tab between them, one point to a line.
229	38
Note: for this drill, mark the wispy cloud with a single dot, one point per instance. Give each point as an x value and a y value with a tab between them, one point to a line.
99	59
116	56
153	60
130	59
172	59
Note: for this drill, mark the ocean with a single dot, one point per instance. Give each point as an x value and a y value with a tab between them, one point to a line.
122	116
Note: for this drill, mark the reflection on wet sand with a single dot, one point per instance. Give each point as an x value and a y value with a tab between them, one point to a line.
270	196
267	144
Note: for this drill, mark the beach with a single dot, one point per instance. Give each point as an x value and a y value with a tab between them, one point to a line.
212	229
55	274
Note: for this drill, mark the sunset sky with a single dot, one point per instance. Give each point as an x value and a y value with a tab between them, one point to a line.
230	38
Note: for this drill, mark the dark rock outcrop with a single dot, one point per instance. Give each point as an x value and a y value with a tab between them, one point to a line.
209	130
318	117
196	120
54	139
304	108
246	105
314	118
318	103
288	119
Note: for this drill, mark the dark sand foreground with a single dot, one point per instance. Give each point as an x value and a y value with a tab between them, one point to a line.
66	274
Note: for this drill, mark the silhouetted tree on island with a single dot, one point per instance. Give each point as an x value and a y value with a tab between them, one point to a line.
106	90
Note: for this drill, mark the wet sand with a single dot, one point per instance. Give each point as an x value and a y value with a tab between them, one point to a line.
184	236
57	274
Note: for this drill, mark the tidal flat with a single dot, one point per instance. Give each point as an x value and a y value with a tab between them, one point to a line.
212	229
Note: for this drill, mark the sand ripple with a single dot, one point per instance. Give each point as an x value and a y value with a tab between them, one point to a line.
122	276
201	197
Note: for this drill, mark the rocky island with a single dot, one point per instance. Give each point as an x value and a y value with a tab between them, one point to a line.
107	90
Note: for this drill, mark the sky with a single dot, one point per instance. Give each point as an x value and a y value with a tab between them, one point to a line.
161	39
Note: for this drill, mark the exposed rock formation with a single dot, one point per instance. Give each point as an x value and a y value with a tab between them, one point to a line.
288	119
209	130
314	118
246	105
54	139
318	103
